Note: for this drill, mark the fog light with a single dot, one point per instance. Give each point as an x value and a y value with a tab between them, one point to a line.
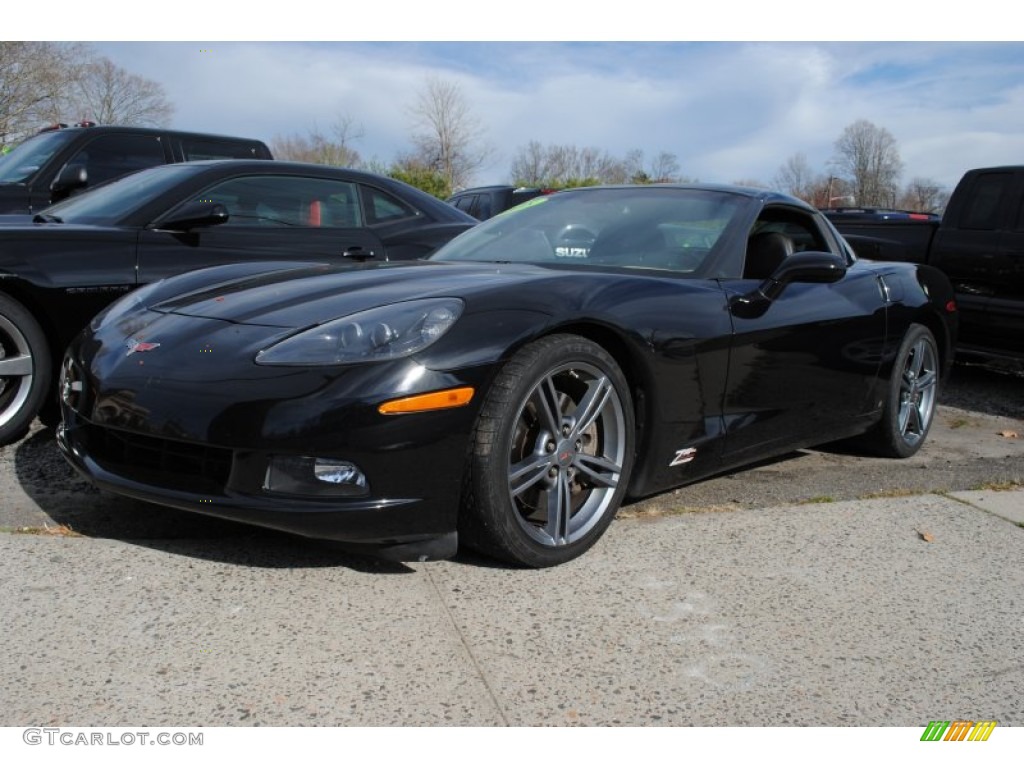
313	476
338	472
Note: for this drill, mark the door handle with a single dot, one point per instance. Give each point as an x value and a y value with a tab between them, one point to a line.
358	252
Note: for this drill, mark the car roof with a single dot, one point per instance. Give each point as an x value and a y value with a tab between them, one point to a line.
147	131
754	193
288	167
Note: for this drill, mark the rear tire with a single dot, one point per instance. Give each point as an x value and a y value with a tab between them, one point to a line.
25	369
912	397
551	454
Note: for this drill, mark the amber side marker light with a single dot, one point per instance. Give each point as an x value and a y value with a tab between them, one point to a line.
432	401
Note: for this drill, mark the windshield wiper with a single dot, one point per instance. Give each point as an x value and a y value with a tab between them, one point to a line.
47	218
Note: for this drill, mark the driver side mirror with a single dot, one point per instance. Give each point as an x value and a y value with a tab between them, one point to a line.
803	267
193	215
70	178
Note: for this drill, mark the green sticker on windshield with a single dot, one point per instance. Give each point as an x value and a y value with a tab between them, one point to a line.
527	204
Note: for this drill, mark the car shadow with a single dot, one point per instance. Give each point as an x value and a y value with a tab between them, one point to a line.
984	390
73	503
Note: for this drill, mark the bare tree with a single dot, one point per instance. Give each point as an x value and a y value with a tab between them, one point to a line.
665	167
529	166
796	178
447	136
925	195
565	165
109	94
35	80
869	157
751	183
316	147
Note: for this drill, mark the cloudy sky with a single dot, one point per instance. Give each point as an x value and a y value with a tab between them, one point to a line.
728	110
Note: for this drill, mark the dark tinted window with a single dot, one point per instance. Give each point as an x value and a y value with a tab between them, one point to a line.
382	207
205	149
112	156
984	200
112	202
29	156
1019	227
482	207
287	201
465	203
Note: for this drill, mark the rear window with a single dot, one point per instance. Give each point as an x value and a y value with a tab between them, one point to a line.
207	149
985	200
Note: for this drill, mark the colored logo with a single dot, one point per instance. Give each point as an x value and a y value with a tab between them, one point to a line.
134	345
958	730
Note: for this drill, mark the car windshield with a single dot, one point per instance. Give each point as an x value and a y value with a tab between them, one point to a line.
645	227
108	203
29	156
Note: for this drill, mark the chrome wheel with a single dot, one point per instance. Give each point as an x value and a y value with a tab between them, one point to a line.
25	368
15	370
567	454
551	454
912	393
918	387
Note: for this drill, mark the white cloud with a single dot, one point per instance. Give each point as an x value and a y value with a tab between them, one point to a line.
729	111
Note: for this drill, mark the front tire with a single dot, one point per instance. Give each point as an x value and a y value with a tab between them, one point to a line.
551	454
25	369
912	396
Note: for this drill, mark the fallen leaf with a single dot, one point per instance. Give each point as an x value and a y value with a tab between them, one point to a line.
1009	433
926	536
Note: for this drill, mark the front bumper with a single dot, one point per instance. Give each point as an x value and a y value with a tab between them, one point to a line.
407	528
206	449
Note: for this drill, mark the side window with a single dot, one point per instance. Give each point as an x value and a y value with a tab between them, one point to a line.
777	233
465	203
287	201
984	198
482	209
382	208
206	149
1019	227
109	157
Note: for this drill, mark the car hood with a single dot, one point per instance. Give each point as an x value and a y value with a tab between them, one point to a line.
303	295
16	219
21	227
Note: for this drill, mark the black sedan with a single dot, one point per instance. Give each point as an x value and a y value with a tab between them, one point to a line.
65	265
511	391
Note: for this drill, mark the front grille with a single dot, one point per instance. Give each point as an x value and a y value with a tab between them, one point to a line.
157	461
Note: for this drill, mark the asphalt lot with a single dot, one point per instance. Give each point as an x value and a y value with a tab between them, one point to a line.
823	589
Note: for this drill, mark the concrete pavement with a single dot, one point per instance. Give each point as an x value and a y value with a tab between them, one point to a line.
890	611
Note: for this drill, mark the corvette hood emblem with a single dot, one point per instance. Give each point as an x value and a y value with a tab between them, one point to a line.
134	345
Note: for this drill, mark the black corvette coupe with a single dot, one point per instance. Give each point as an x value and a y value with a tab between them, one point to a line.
58	269
511	391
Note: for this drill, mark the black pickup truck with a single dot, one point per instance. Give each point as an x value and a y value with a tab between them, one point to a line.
978	243
484	202
61	160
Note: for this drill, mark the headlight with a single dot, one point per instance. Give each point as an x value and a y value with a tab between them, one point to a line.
383	333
